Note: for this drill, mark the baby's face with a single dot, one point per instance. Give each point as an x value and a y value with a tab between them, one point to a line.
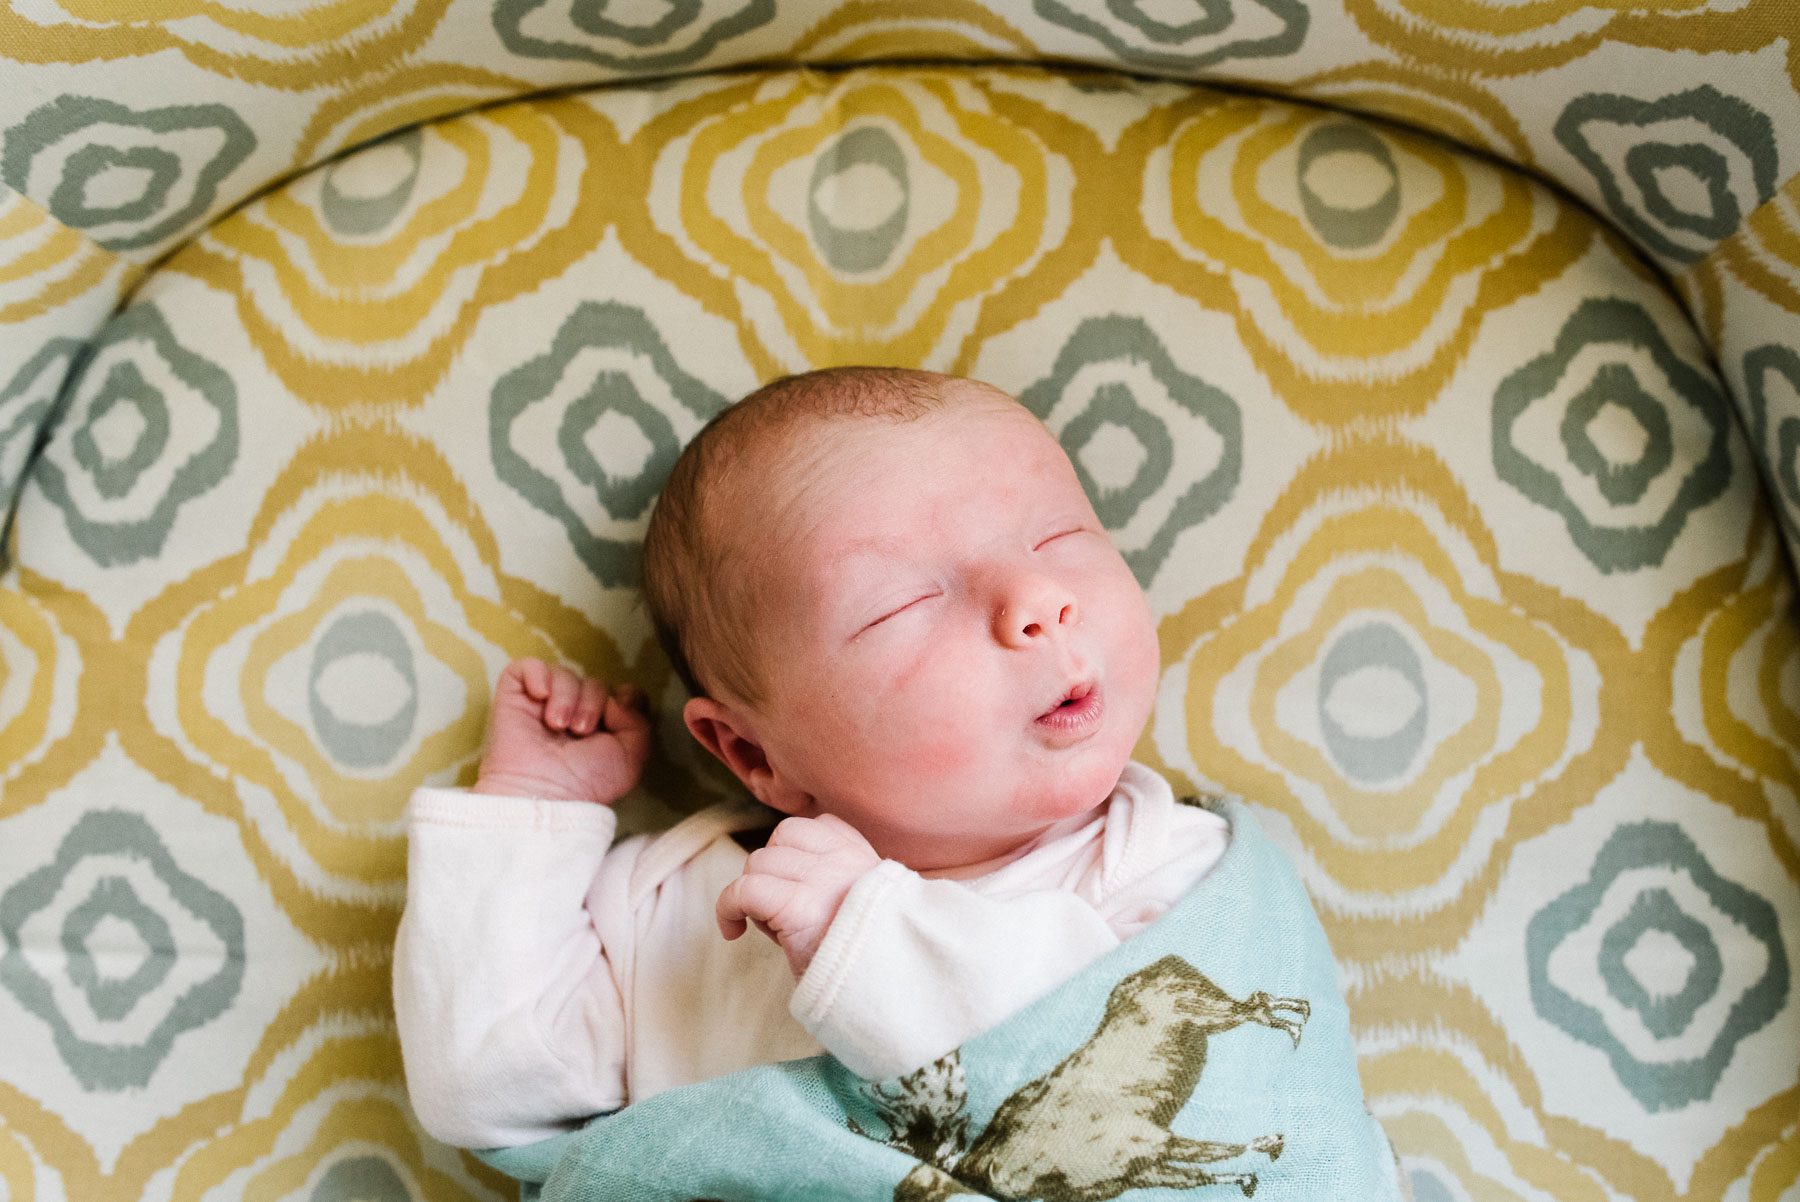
955	655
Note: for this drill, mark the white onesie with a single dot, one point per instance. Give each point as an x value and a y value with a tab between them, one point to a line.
541	978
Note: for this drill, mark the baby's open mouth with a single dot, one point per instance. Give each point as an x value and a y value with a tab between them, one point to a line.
1076	714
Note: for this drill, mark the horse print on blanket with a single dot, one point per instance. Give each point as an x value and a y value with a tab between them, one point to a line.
1096	1125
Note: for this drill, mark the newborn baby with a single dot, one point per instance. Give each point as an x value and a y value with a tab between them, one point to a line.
903	627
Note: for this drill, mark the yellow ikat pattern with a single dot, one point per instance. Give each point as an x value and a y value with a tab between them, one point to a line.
1468	545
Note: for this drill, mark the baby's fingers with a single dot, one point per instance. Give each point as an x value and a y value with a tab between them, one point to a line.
788	863
565	695
533	675
751	897
625	709
825	835
631	728
590	703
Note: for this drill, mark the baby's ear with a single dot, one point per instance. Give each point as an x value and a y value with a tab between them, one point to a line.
728	734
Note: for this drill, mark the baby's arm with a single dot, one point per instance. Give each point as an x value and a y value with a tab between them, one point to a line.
511	1025
913	967
894	970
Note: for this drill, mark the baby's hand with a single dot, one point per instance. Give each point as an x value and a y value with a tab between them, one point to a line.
792	888
557	735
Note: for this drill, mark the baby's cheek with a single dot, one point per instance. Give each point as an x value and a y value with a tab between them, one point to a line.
923	718
931	742
950	757
1139	650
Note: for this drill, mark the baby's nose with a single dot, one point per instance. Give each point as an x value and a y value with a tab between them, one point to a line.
1036	607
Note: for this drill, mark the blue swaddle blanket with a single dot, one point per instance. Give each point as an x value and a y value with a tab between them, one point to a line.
1210	1053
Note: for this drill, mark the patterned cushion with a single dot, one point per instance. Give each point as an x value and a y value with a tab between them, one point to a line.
1464	571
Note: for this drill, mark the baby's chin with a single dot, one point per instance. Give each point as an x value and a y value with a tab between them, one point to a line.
1079	785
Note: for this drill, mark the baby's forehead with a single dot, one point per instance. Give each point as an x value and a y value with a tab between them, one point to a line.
861	485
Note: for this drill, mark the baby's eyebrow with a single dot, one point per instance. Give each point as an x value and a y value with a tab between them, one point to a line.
849	569
876	543
875	548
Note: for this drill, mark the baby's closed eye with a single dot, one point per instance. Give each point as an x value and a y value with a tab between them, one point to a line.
1063	536
890	610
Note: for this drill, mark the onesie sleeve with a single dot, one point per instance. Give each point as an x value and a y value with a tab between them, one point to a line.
511	1026
912	968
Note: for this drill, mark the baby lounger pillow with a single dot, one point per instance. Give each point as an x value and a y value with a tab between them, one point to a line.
1463	574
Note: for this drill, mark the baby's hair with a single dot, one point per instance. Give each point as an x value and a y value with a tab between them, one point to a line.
696	583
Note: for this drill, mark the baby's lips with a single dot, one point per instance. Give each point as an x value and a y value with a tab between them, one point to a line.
1075	720
1073	692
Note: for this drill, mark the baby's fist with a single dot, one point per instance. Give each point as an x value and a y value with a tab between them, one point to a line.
558	735
792	888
